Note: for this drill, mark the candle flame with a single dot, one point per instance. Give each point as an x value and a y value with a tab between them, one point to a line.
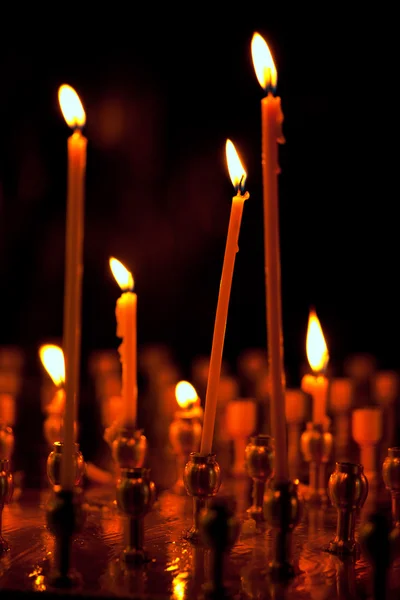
317	350
264	65
122	276
71	106
52	358
185	394
236	171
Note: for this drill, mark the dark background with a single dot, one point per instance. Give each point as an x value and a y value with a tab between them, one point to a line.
162	93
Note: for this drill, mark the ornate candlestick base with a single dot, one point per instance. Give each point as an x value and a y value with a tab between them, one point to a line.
348	490
6	492
219	529
6	442
202	479
135	497
185	436
259	462
282	510
129	447
316	445
65	516
54	464
391	477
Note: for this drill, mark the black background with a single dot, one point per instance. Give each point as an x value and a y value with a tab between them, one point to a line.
162	93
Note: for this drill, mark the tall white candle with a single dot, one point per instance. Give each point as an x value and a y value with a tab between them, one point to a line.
75	117
126	315
238	176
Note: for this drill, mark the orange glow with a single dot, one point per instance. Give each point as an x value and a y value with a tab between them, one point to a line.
185	394
52	358
236	171
317	350
122	276
71	106
264	65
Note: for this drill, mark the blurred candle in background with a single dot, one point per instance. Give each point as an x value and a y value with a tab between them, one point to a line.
317	354
126	315
75	117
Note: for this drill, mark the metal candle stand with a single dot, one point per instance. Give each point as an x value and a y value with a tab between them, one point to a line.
282	510
316	445
135	496
185	436
348	490
391	477
53	466
129	447
65	517
202	479
6	492
260	463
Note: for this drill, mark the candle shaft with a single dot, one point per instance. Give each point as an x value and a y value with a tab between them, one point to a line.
128	304
72	297
271	117
220	323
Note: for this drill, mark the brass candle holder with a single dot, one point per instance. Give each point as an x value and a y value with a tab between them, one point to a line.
391	477
6	493
185	436
348	490
6	442
219	529
202	479
53	466
129	447
282	510
65	517
259	455
135	497
316	444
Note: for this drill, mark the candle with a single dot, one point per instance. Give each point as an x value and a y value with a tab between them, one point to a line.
272	118
238	177
188	401
125	313
75	117
317	354
52	358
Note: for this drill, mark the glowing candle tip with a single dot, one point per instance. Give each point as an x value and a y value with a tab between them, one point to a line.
52	358
71	107
236	171
122	276
264	65
317	350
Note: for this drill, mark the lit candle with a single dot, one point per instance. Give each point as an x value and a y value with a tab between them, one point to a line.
238	177
75	117
188	401
52	358
125	313
272	118
317	354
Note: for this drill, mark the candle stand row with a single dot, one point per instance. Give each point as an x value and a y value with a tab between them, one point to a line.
276	504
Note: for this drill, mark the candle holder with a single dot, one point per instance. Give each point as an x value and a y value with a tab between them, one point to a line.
260	464
129	448
348	490
202	479
391	477
6	442
65	517
282	510
135	497
53	466
185	436
219	530
367	429
316	444
6	493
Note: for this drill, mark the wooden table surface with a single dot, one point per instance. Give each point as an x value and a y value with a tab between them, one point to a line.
178	570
